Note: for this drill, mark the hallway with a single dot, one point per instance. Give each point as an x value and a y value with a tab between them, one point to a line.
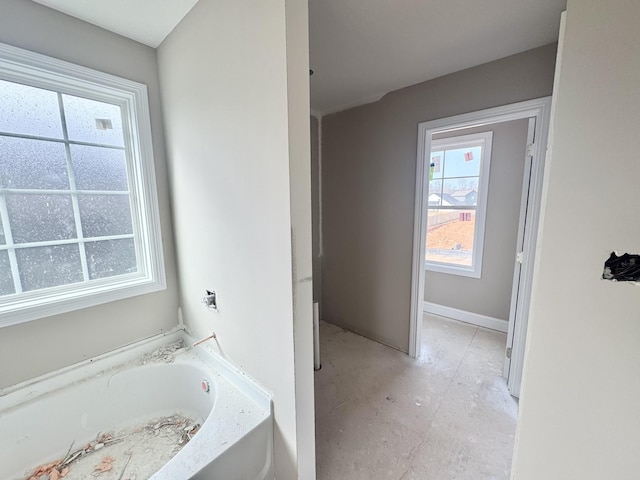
382	415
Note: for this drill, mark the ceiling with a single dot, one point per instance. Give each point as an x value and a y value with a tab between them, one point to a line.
362	49
145	21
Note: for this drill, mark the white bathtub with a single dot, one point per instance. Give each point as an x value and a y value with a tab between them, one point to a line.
39	420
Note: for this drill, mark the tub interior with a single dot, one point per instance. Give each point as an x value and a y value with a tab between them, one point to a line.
47	426
42	421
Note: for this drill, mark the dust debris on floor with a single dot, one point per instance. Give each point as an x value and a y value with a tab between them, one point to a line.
165	354
132	453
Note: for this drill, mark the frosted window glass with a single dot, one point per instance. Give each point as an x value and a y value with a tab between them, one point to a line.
3	240
83	116
97	168
28	163
43	267
103	215
29	110
111	257
6	281
37	218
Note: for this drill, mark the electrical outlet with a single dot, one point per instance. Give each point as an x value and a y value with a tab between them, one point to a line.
210	300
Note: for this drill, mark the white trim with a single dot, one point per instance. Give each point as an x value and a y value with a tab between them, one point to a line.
485	321
23	66
484	141
522	219
538	108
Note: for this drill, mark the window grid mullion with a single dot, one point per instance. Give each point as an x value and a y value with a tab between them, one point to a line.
74	192
71	241
60	140
453	207
44	191
8	238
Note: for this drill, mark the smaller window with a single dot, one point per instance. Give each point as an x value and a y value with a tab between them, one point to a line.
457	203
79	223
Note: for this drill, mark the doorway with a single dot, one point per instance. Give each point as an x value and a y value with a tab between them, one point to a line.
537	111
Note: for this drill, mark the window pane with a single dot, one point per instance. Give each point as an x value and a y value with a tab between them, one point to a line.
37	218
103	215
29	110
462	162
93	122
462	191
28	163
435	193
111	257
3	240
98	168
6	280
44	267
450	236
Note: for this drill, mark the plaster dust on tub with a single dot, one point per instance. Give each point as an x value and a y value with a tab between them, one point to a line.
155	410
132	453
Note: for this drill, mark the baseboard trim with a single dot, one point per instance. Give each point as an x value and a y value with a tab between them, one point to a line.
467	317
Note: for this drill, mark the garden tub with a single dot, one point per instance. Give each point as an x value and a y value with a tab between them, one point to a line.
159	396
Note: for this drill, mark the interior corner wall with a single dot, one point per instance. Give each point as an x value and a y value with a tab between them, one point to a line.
299	133
224	82
368	184
579	415
315	208
490	295
54	342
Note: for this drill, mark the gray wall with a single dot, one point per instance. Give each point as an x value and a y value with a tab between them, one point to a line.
40	346
491	294
315	208
368	179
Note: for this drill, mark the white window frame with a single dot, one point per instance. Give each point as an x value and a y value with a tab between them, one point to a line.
483	140
22	66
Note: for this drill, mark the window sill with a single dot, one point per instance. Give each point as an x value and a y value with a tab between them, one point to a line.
68	298
453	270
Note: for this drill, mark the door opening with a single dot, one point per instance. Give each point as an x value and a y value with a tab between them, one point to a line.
538	112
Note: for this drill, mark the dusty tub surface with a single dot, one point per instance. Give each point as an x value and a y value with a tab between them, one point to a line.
42	421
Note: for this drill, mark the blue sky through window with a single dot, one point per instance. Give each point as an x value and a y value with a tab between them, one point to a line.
452	163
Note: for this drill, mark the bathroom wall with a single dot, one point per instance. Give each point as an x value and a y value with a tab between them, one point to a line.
579	415
297	34
368	183
234	78
315	207
50	343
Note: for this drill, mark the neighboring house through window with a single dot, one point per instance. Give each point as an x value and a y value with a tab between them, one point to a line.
457	203
79	223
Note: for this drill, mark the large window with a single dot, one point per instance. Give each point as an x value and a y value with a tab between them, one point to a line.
457	202
78	209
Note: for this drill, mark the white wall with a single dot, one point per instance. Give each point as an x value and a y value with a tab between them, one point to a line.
297	17
579	410
31	349
232	88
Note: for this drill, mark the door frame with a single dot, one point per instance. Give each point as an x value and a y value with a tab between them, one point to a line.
540	109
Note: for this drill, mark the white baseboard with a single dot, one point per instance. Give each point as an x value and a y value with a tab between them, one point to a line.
467	317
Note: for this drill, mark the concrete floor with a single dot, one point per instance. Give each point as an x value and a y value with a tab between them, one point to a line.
383	415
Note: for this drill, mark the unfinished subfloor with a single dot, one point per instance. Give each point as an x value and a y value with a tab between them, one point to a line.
382	415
